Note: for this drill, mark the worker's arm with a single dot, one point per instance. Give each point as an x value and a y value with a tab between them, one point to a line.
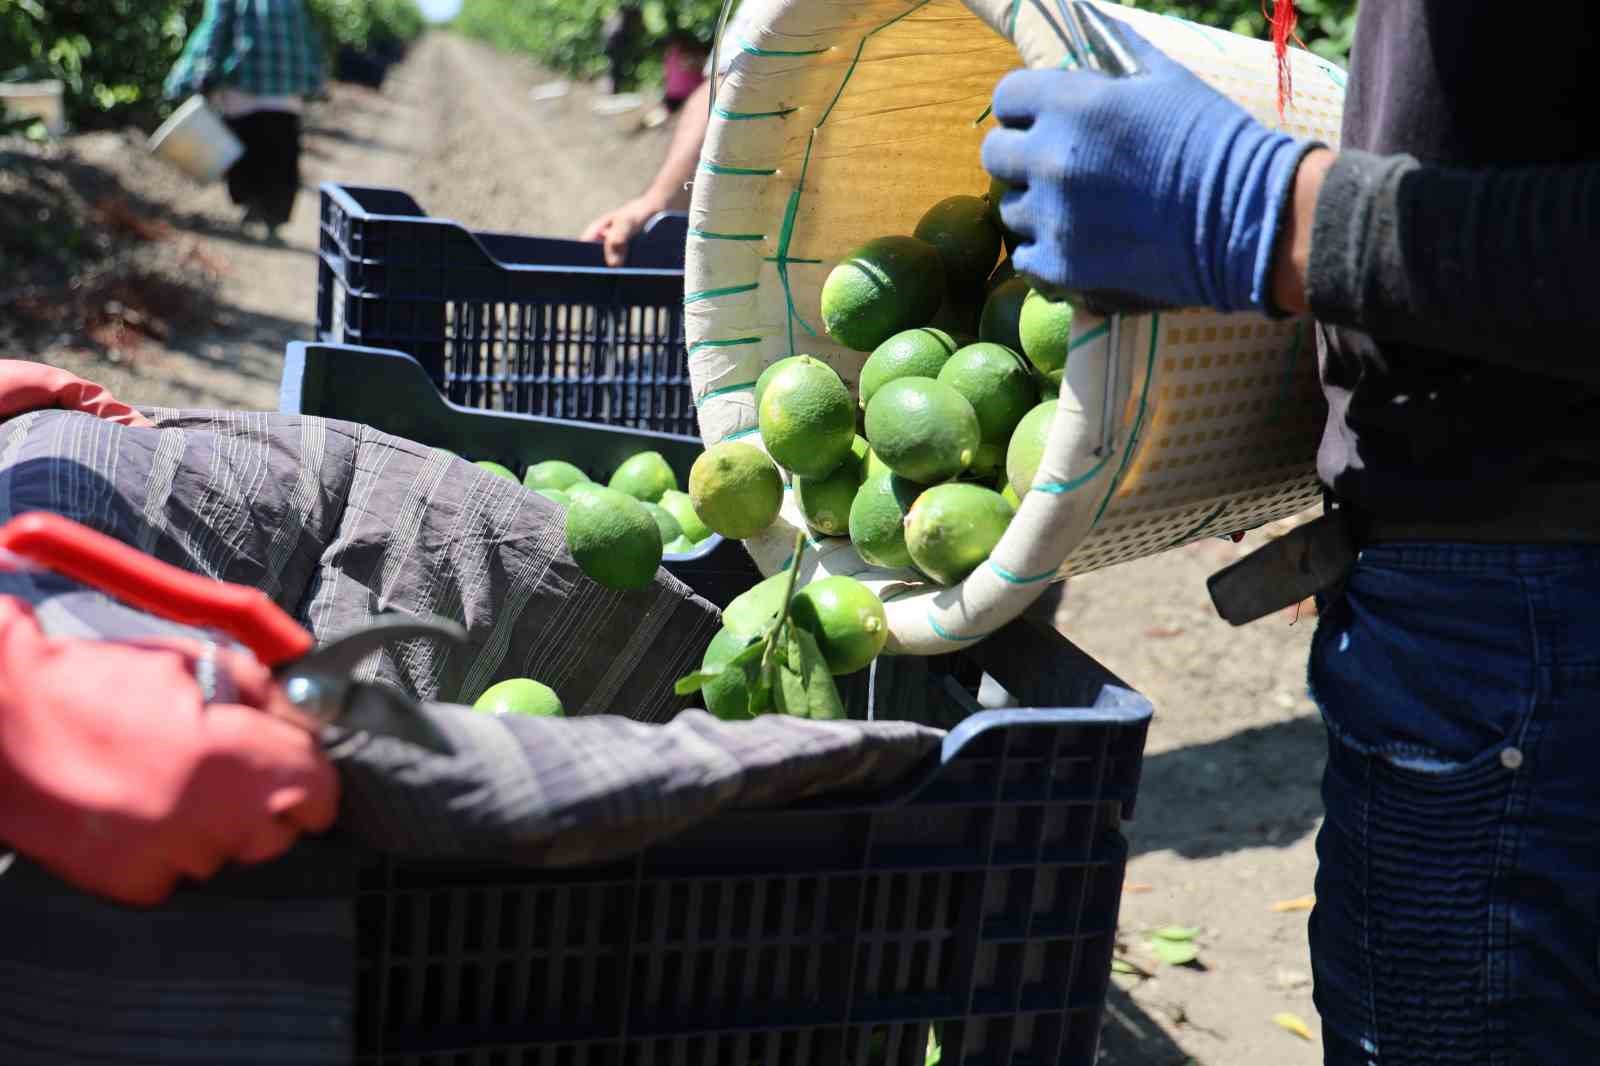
1494	263
1160	187
668	191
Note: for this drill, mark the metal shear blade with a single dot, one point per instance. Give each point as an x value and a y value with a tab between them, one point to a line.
319	683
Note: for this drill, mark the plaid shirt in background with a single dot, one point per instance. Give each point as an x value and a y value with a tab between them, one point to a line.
262	47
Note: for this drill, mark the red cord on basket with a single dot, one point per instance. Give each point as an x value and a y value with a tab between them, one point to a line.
1281	20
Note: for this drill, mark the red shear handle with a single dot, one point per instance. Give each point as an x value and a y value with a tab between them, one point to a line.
76	551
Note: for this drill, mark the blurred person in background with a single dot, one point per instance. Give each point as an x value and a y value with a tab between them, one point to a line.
618	34
683	68
669	189
256	61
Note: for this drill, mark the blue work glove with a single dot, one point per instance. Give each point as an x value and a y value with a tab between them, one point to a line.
1153	186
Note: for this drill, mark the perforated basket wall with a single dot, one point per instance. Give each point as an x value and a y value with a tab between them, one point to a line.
838	122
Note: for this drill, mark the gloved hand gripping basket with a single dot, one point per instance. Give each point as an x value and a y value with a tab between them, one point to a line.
836	123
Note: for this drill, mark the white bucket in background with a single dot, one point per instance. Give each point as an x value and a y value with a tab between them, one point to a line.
196	141
35	99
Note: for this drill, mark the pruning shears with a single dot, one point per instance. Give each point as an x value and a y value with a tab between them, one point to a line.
316	680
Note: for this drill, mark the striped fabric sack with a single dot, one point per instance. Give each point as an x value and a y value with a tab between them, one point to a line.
339	523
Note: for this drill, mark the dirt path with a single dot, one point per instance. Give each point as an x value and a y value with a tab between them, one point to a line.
1229	804
453	126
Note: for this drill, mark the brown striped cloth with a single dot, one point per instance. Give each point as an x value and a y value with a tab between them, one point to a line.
339	523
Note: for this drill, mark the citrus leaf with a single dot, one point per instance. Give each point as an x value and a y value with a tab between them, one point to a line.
694	682
822	695
1294	1024
933	1054
1176	933
789	694
698	680
750	654
761	685
1124	966
804	686
1175	952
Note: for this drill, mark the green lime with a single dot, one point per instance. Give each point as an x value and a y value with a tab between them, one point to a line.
680	545
613	538
668	525
966	237
922	429
644	476
520	695
553	474
911	353
807	419
735	489
765	378
874	465
825	501
555	496
878	518
1050	385
884	286
847	620
989	461
728	694
958	315
998	384
1001	311
997	191
681	507
1045	329
1027	447
952	529
1003	272
1009	494
581	488
496	469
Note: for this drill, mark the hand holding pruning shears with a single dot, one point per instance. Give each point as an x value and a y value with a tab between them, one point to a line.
126	767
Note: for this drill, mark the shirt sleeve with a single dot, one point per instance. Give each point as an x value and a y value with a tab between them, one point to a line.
219	48
1497	264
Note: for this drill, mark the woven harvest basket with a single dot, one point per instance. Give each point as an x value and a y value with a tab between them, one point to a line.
835	122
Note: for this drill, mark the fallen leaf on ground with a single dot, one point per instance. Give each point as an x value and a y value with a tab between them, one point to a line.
1299	903
1294	1024
1124	966
1174	953
1174	944
1181	933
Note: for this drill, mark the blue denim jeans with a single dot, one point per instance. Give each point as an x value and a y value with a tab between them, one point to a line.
1458	892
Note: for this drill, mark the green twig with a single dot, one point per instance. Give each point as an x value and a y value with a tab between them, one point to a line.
788	594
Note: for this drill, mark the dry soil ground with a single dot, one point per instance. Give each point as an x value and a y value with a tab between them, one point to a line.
1229	805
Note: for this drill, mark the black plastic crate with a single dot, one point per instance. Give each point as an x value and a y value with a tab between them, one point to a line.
980	898
502	322
388	391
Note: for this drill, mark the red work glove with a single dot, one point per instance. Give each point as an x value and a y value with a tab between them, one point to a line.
116	775
35	386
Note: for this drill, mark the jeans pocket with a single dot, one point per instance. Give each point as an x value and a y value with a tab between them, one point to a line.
1406	933
1432	672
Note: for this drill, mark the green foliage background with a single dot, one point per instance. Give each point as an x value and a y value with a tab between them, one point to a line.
565	34
113	55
